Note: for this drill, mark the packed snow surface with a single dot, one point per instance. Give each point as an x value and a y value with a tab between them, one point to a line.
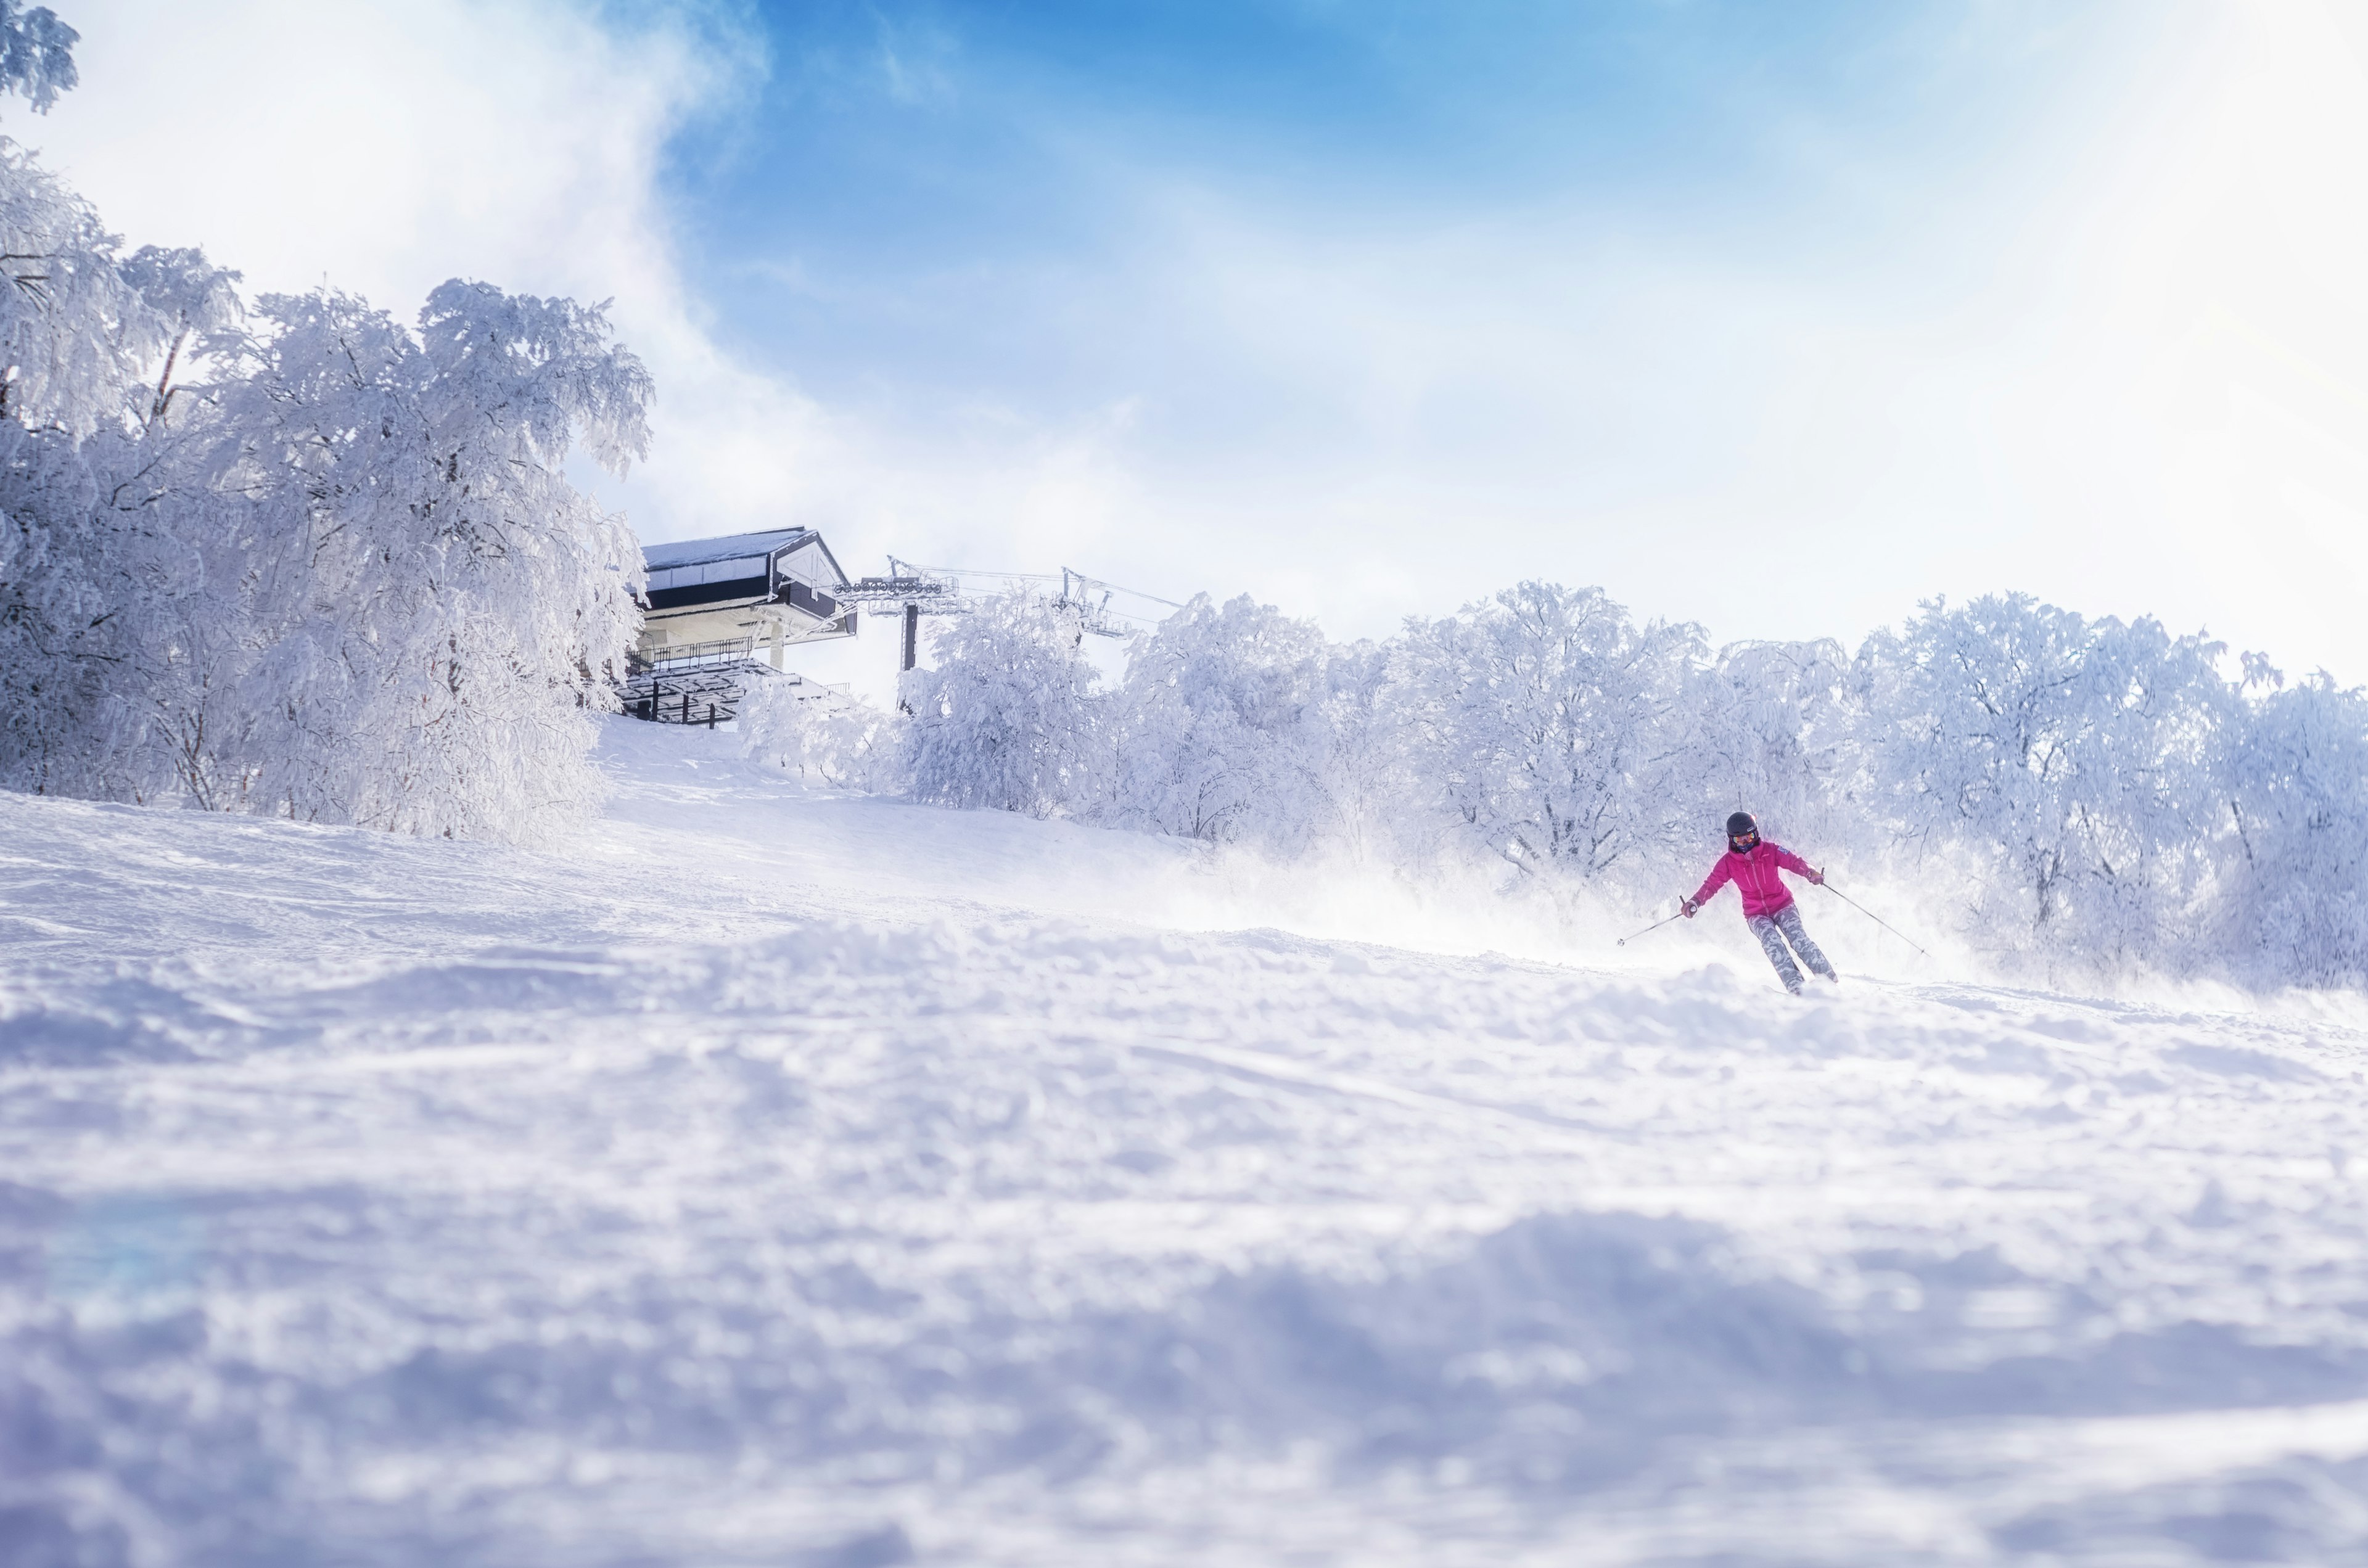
779	1179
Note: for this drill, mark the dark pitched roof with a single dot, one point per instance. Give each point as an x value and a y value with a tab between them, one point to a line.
730	547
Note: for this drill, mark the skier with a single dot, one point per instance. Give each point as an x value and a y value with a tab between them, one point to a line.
1767	908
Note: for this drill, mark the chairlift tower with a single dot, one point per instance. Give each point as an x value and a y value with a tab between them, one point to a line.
919	590
940	590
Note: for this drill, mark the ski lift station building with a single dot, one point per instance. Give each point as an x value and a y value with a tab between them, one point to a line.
717	613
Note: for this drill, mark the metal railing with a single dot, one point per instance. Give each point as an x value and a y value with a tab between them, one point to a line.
693	683
684	657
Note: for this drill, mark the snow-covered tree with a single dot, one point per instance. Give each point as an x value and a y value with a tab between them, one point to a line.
76	336
2073	757
79	342
432	610
1007	716
35	53
1546	722
822	737
2294	904
66	721
1218	730
1766	728
170	574
192	299
73	334
1367	780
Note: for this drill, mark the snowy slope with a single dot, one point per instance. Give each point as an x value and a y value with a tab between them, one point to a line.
781	1180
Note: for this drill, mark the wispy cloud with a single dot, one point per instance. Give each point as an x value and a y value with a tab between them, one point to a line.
914	59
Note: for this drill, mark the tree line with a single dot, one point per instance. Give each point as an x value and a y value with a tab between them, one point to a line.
2081	792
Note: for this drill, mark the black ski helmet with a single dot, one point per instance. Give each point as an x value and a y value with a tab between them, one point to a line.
1740	824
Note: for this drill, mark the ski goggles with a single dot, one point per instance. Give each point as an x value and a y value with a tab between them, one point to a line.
1743	840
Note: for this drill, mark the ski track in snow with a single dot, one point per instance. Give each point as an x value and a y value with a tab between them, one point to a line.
780	1179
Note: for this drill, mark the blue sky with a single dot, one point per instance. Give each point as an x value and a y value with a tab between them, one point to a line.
1777	317
946	206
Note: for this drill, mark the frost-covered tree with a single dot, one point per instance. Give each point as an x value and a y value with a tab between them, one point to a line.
191	300
1220	729
1768	729
432	611
2069	760
169	573
1548	725
35	53
78	342
2294	901
1008	716
1367	779
67	724
821	737
73	334
76	336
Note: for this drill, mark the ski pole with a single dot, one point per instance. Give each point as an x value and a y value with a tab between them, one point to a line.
1648	930
1871	915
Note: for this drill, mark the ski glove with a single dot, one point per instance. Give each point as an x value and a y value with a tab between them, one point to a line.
1818	877
1688	905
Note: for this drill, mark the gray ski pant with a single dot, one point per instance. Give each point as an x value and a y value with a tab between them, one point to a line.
1774	931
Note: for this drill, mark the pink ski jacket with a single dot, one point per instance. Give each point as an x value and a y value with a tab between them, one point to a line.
1755	876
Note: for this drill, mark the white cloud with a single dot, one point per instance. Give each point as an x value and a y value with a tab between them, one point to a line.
383	147
2185	397
2125	368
